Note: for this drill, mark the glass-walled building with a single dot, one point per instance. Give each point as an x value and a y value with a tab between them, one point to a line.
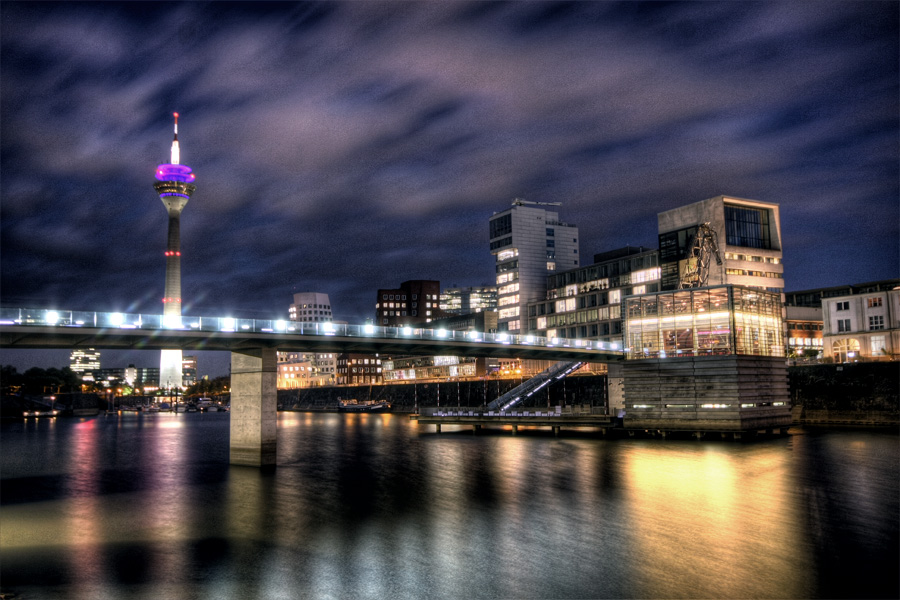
716	320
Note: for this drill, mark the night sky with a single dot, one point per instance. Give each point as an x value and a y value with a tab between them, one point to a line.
343	147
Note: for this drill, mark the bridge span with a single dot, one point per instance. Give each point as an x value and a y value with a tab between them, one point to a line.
40	328
254	345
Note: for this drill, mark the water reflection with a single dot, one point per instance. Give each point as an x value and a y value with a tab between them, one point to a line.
366	506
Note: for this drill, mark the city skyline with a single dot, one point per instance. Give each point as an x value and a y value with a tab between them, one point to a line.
373	142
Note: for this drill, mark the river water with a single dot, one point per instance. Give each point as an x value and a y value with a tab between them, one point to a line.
375	506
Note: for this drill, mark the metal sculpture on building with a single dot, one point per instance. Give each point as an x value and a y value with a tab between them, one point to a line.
703	247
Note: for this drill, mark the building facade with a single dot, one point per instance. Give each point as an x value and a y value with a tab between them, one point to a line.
413	303
358	369
862	326
749	242
468	300
805	332
307	369
528	243
586	302
85	362
188	370
310	307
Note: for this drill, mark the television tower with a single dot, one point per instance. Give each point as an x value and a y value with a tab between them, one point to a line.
174	186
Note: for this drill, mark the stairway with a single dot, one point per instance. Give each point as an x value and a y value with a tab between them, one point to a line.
518	394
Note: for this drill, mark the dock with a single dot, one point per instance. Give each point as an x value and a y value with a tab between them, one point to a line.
554	418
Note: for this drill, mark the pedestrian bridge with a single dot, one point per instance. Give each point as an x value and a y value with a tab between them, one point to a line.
254	345
41	328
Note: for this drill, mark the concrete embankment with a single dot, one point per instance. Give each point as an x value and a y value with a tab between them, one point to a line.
854	394
858	394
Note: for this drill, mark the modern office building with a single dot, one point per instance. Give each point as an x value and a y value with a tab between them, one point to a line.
85	362
862	326
174	186
467	300
586	302
528	243
748	236
308	369
413	303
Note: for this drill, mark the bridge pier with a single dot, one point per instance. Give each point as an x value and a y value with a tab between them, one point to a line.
254	404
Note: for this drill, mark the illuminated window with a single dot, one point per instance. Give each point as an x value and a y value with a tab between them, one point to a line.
874	302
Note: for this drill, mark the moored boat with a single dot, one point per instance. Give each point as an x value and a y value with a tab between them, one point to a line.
367	407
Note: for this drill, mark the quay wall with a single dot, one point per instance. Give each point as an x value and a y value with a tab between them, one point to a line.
851	394
583	390
864	393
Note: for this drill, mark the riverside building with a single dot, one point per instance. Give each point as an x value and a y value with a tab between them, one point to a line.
586	302
413	303
863	325
85	362
307	369
528	243
749	242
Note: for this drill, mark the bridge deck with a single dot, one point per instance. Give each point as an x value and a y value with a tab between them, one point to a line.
37	328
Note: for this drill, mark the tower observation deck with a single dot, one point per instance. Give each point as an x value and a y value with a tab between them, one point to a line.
174	185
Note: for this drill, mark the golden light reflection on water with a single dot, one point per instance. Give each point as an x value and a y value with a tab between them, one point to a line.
706	517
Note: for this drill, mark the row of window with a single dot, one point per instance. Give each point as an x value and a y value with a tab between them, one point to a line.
585	316
399	305
875	322
747	272
752	258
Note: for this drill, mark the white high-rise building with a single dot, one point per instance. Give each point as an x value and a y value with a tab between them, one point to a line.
528	243
304	369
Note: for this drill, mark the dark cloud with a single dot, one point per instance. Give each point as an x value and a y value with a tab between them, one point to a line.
343	147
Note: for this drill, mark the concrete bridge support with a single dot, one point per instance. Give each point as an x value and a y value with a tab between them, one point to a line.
254	404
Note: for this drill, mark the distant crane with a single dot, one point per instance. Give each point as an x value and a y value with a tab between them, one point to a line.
522	201
704	246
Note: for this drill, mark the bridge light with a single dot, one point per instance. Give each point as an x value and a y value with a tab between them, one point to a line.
529	339
116	319
614	346
442	333
52	317
328	328
280	325
407	331
369	329
228	324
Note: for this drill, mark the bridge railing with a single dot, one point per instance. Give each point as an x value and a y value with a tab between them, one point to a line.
115	320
